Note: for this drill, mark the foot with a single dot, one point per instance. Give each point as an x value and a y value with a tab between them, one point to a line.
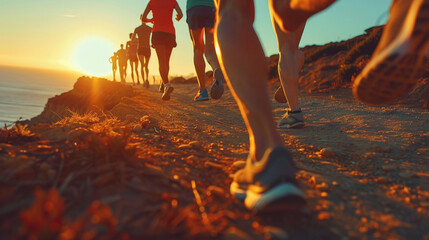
279	95
216	90
161	88
269	185
138	82
167	92
146	84
202	96
291	119
399	58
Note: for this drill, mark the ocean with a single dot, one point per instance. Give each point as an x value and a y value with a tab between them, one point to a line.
24	91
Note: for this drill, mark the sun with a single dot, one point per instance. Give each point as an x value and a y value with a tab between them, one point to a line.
91	56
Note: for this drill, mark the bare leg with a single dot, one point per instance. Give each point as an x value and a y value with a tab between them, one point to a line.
163	54
290	62
247	75
209	49
141	60
132	71
267	182
197	36
146	68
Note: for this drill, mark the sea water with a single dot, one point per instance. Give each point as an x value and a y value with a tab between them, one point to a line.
24	92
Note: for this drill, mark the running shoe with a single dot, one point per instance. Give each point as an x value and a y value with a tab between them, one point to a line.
167	91
400	58
291	120
269	185
146	84
161	88
202	96
279	95
216	90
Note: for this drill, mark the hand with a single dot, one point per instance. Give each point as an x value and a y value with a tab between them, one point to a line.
179	16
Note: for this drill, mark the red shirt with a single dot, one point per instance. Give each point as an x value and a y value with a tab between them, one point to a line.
162	11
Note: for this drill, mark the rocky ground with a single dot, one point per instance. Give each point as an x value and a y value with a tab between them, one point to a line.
131	166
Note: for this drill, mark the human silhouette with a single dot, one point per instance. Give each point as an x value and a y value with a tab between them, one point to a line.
143	49
122	60
163	36
114	61
132	57
200	16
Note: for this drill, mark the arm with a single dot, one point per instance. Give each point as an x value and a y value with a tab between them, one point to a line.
145	13
179	12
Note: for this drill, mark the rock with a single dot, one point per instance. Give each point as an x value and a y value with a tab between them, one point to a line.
323	186
239	164
324	216
195	144
327	152
185	146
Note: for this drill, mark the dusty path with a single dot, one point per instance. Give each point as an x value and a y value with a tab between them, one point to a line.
365	169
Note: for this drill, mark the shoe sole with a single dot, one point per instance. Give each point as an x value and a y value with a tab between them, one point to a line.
217	88
201	100
283	197
395	71
166	96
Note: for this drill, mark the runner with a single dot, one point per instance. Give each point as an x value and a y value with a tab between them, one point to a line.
132	56
291	61
400	57
114	61
201	16
163	36
267	183
143	50
122	60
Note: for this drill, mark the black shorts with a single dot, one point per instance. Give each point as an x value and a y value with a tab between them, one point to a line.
163	38
144	51
201	16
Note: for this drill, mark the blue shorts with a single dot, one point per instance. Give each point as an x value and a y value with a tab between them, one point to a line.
200	17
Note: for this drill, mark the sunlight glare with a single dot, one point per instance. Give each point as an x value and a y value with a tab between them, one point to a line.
91	56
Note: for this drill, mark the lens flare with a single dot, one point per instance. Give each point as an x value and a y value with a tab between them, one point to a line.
91	56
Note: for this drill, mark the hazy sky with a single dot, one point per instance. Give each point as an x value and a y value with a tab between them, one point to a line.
45	33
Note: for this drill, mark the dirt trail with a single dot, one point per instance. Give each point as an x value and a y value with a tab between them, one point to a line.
365	168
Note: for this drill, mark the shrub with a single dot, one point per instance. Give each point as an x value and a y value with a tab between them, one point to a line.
346	72
365	47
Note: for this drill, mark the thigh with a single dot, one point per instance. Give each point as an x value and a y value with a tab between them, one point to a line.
244	7
197	37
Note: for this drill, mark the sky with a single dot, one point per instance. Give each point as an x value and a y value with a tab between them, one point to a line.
48	33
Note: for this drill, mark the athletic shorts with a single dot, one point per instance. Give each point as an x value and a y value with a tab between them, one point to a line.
201	16
163	38
144	51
